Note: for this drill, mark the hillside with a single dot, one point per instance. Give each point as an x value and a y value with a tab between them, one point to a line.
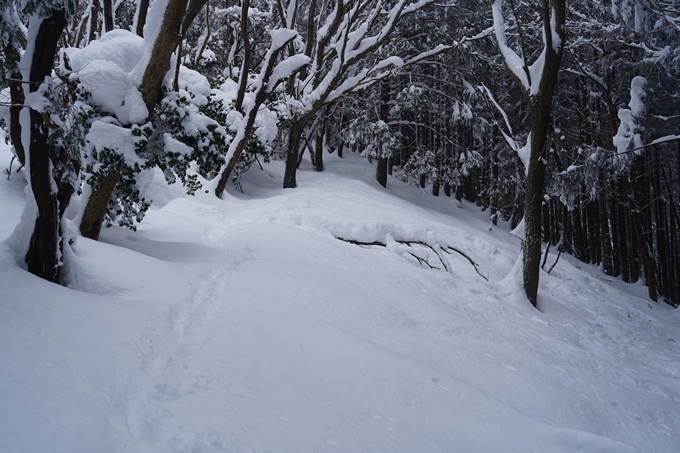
247	325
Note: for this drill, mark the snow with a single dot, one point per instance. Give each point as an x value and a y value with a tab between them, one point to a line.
243	324
514	62
105	135
106	69
628	135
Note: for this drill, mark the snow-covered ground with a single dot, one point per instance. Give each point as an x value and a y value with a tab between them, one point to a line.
245	325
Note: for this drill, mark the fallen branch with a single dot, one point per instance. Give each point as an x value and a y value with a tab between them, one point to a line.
474	265
559	252
421	260
431	248
352	241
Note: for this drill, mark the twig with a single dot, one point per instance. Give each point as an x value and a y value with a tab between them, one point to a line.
559	252
545	256
9	170
421	260
474	265
431	248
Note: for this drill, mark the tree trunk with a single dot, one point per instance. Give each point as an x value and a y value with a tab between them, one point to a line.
318	149
289	180
91	222
142	9
108	15
94	20
165	44
247	55
447	189
17	98
533	201
539	106
45	245
381	168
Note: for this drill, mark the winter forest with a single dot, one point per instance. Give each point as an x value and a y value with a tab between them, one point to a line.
339	225
557	117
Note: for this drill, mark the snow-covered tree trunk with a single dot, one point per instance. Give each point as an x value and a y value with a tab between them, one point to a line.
140	17
381	167
537	81
165	44
12	46
50	194
177	16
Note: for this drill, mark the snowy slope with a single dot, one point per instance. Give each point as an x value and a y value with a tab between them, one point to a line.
244	325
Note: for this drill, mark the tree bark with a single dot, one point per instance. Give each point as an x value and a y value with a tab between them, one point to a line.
381	167
318	149
166	43
108	15
91	222
17	98
247	56
289	180
94	20
533	201
540	104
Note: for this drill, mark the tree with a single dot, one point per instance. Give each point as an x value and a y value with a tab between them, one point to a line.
340	40
537	82
48	165
177	17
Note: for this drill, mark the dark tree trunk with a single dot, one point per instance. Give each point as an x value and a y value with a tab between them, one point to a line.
94	20
381	168
108	15
539	107
381	171
143	9
247	55
535	182
459	193
638	199
318	150
289	180
16	93
43	254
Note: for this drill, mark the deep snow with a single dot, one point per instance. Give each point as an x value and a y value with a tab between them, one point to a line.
244	325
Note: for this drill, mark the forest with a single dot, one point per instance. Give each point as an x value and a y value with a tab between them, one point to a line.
560	118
